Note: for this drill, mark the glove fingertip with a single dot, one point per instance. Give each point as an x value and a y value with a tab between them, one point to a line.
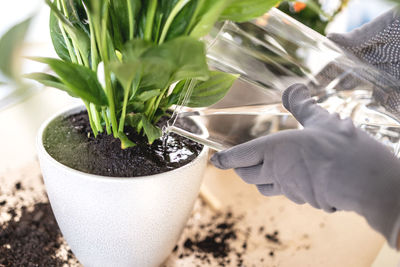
216	161
294	94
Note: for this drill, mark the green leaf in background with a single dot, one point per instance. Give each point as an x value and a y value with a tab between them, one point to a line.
76	32
57	38
209	14
133	120
240	11
133	49
152	132
10	42
49	80
146	95
135	107
84	83
181	21
207	93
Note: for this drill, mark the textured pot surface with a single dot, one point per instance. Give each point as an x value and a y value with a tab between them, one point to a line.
110	221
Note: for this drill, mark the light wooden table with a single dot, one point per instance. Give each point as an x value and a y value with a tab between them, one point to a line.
309	237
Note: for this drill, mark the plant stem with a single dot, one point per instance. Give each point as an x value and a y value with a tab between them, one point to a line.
66	40
93	46
194	16
122	119
105	118
151	11
107	73
157	103
178	7
92	125
131	20
96	117
66	14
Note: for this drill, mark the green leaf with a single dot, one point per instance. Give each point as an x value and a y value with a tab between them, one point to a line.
210	13
125	72
152	132
206	93
182	21
58	39
135	107
124	14
10	42
133	120
135	48
76	32
81	80
125	142
175	95
146	95
240	11
186	54
49	80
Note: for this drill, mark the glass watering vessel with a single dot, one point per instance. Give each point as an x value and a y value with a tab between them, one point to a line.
272	53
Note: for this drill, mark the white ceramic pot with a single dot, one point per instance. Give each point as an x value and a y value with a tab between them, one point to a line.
109	221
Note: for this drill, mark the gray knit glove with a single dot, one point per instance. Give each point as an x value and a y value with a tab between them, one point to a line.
378	43
329	164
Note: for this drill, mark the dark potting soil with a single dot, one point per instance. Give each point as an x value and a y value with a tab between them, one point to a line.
70	141
31	240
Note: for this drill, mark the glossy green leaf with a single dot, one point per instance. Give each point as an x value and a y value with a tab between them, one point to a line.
206	93
182	21
49	80
152	132
135	48
135	107
125	72
175	95
10	42
58	39
240	11
209	14
84	83
187	56
146	95
124	14
125	142
75	31
133	120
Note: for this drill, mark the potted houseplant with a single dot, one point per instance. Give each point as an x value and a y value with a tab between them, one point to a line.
120	193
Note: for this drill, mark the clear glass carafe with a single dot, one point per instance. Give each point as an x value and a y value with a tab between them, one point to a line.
272	53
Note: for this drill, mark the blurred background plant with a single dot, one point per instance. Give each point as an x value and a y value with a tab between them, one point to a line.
313	13
12	86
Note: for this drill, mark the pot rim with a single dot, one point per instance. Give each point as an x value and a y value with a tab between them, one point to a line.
42	150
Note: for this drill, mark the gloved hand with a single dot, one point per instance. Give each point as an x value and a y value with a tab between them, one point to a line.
330	164
377	42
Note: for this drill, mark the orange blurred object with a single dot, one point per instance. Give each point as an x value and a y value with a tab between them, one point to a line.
299	6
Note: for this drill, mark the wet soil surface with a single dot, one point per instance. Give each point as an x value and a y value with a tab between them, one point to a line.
70	141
